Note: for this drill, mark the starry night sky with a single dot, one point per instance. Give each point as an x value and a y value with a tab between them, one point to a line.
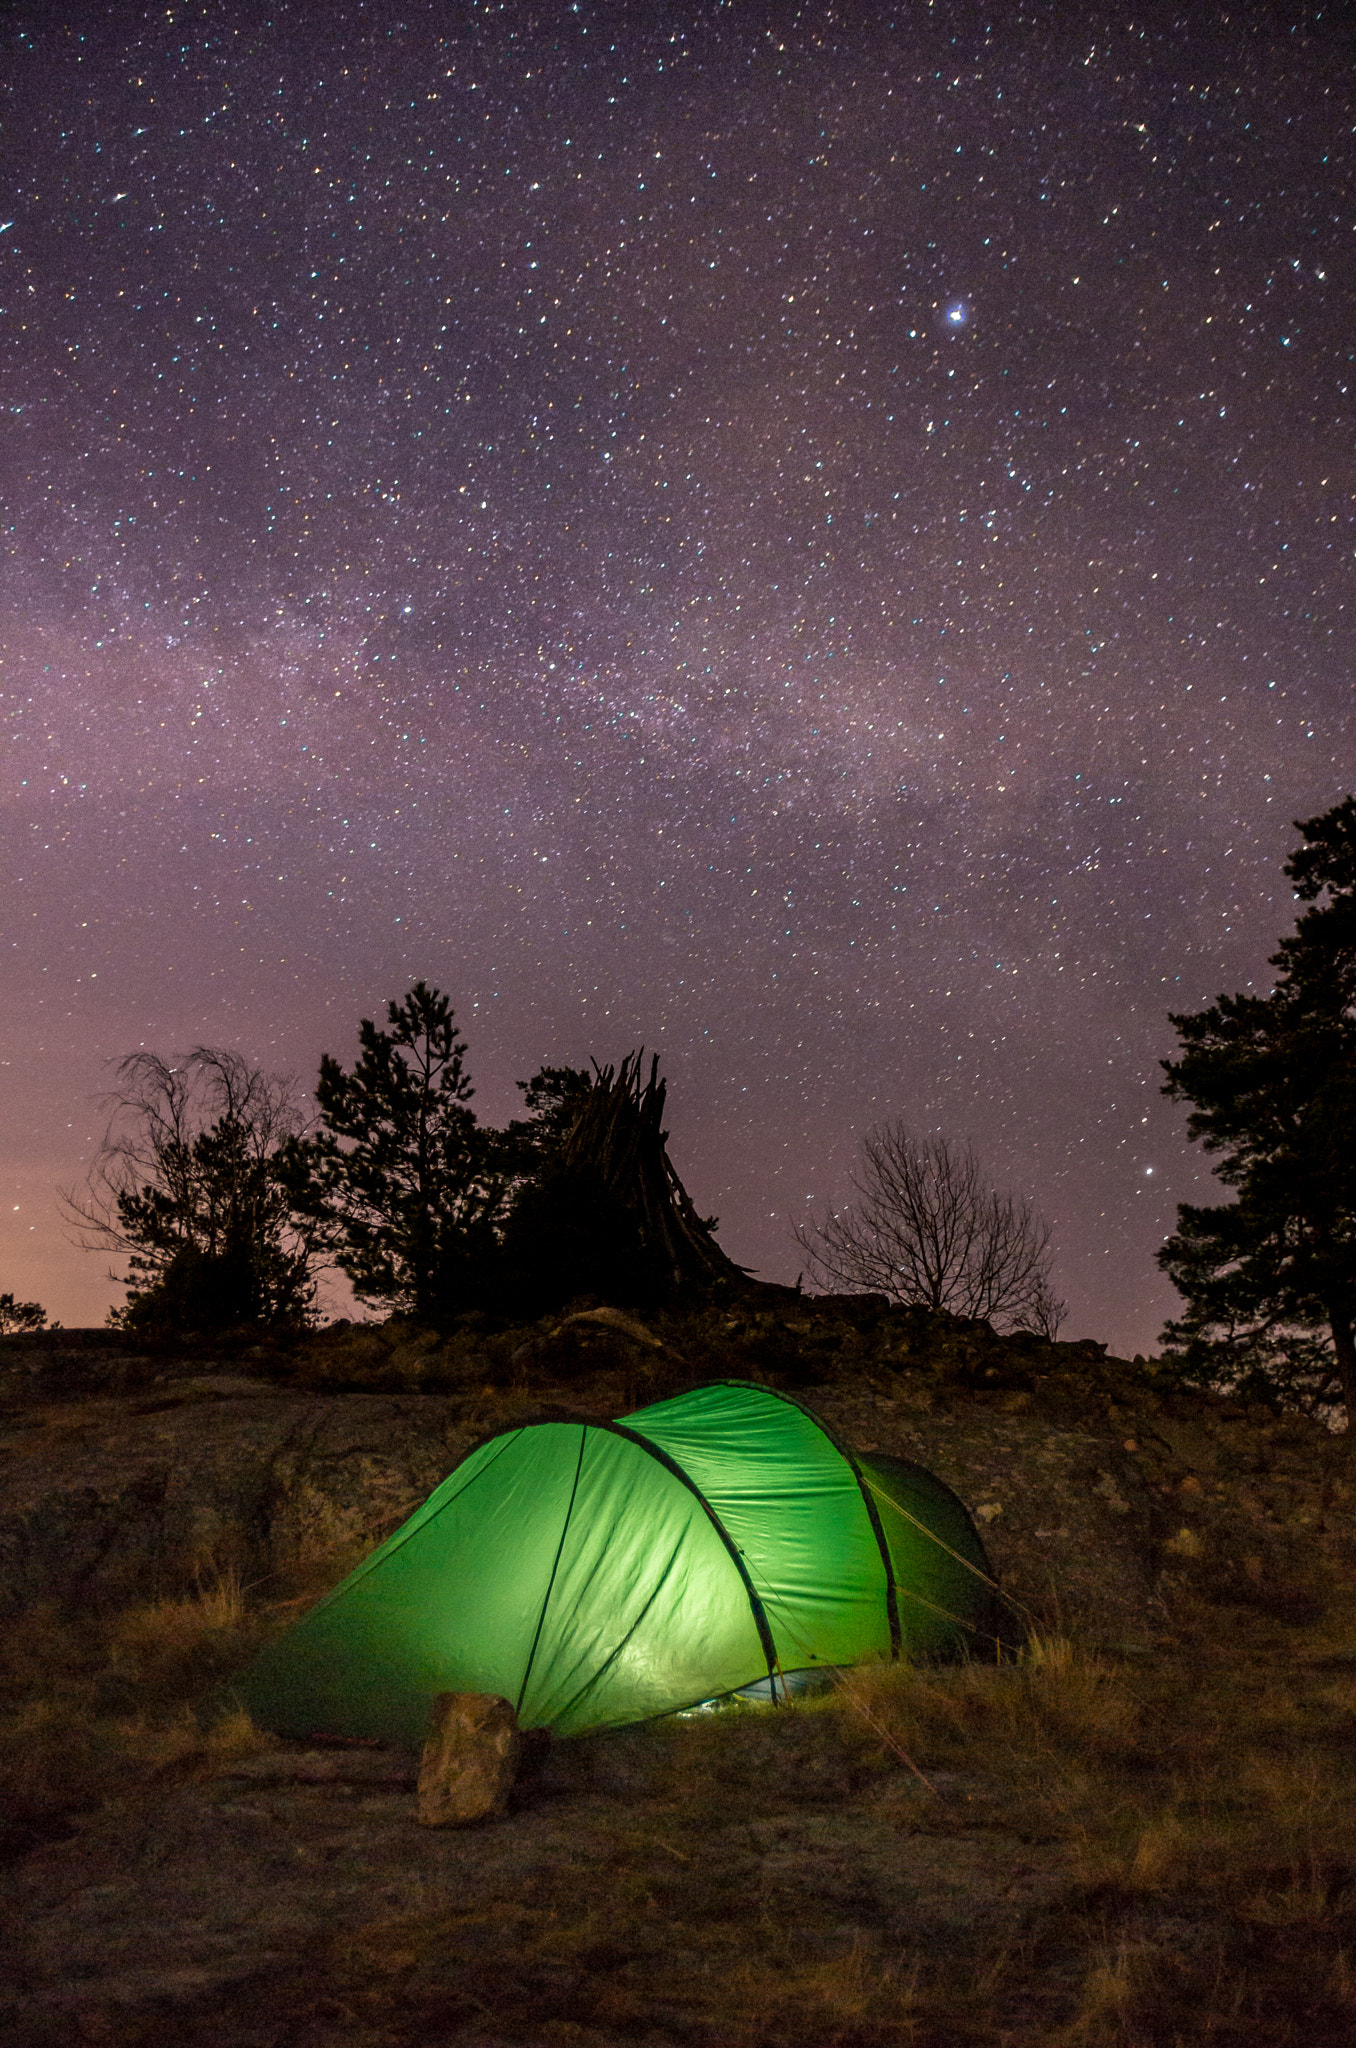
815	540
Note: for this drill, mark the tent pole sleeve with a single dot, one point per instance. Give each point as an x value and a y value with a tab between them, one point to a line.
848	1456
765	1636
551	1582
878	1529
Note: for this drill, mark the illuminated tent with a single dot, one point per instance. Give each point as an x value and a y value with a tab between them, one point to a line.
596	1573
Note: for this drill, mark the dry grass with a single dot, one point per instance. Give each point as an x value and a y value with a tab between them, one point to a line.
1191	1816
1194	1813
95	1705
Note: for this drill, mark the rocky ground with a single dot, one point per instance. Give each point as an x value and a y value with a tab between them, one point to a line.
241	1906
207	1910
129	1471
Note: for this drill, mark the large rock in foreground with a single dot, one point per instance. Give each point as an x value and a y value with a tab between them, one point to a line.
470	1760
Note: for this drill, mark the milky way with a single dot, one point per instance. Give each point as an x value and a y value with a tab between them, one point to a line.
819	542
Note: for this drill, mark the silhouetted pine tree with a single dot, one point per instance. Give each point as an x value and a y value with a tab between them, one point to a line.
1269	1279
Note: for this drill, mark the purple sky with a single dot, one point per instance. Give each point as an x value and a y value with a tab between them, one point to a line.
817	540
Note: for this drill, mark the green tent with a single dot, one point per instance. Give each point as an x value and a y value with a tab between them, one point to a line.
596	1573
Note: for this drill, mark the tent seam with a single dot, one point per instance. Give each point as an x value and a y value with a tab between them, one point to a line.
551	1582
846	1453
571	1704
670	1464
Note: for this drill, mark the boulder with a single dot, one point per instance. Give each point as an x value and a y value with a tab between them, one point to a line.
138	1496
470	1760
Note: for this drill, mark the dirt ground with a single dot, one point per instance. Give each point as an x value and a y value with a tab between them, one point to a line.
1139	1833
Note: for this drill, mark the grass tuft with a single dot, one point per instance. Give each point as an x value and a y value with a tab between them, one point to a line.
1104	2013
95	1705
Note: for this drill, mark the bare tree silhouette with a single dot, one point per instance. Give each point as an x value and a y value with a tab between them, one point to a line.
185	1186
928	1230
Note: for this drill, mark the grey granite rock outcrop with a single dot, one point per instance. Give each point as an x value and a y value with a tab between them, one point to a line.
121	1497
